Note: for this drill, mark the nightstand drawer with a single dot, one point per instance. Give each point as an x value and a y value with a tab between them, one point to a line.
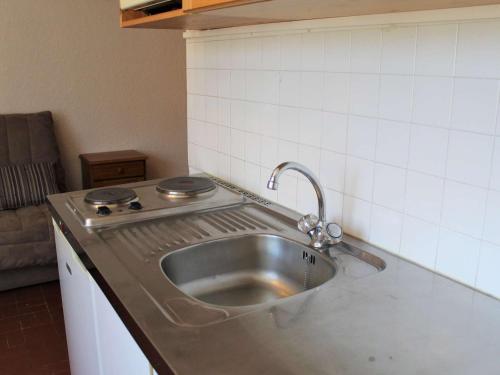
117	170
117	181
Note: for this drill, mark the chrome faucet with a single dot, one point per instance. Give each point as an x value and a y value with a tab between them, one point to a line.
321	237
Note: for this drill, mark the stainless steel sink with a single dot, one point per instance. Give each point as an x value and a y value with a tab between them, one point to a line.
207	266
247	270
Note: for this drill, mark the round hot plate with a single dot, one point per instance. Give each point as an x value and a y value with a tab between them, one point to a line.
112	195
184	187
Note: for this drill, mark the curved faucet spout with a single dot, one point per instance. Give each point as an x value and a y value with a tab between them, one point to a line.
278	171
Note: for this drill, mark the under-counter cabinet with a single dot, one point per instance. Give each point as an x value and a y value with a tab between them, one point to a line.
98	341
78	305
119	352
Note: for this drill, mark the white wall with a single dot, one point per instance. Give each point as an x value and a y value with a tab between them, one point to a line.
398	121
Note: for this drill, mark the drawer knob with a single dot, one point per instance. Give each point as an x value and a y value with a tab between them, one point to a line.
120	170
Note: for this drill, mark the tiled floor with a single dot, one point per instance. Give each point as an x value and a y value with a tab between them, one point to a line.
32	337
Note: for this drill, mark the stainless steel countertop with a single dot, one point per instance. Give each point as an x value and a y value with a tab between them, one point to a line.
403	320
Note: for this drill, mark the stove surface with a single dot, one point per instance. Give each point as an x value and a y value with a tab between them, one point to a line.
185	187
111	195
149	204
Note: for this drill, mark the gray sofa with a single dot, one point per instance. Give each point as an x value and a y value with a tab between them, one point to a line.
27	250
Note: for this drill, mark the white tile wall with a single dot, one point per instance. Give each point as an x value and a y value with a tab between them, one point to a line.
399	122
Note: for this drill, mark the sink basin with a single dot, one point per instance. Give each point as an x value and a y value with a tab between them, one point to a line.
247	270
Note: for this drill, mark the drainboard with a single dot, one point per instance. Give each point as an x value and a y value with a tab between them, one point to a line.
147	239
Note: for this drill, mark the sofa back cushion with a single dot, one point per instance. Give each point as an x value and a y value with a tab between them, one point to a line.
29	138
26	184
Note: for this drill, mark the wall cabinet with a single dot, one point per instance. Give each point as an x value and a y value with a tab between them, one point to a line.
98	341
216	14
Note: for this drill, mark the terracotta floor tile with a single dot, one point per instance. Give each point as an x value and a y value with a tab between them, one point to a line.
53	301
27	308
7	298
29	293
56	312
40	318
51	289
9	310
27	297
32	335
15	339
11	355
40	335
10	324
59	366
4	345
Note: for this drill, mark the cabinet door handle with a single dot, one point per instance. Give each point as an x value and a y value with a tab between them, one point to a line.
69	269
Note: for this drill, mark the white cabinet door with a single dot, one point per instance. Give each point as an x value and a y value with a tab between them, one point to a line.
98	341
120	354
78	309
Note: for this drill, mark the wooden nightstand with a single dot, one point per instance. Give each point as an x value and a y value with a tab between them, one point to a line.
112	168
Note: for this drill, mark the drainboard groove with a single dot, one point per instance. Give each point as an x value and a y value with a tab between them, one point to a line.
200	230
223	216
168	241
186	234
143	237
222	223
256	221
247	223
175	235
169	238
187	228
160	241
121	238
237	219
213	224
135	245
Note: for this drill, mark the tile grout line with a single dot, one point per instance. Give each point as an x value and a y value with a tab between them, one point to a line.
348	127
377	128
412	112
446	179
488	197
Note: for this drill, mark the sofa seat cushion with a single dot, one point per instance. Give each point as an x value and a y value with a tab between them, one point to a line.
26	238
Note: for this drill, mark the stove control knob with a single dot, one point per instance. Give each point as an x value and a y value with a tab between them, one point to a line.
135	206
103	211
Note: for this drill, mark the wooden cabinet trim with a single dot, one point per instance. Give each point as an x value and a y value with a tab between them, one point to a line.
217	14
203	5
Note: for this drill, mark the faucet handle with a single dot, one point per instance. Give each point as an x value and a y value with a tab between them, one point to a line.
307	223
334	231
